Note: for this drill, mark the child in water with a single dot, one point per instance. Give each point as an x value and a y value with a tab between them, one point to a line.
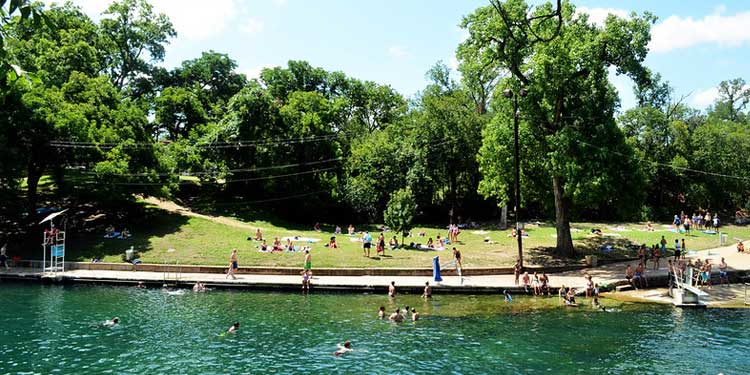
111	323
508	297
234	328
343	349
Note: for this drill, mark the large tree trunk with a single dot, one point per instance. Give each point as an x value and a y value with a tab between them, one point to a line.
562	220
37	165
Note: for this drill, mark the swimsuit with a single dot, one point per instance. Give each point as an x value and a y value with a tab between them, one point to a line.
308	265
234	265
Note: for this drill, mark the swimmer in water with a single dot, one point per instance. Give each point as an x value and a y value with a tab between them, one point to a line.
427	290
111	323
343	349
234	328
396	316
141	285
414	315
508	297
381	312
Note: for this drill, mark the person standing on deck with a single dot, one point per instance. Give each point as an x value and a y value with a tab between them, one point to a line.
308	261
233	264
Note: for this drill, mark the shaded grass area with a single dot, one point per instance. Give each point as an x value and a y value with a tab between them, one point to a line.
203	241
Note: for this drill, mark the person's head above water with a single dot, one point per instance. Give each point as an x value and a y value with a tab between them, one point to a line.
115	320
236	325
348	344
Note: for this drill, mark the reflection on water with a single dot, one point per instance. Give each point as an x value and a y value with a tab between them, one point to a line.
51	329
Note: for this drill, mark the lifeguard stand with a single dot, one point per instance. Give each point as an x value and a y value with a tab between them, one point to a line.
53	242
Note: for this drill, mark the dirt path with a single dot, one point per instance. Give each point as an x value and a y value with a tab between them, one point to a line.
184	211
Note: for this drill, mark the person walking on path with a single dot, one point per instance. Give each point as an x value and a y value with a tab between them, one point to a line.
308	260
517	271
233	265
366	244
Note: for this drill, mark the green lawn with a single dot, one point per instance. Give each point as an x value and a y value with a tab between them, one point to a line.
202	241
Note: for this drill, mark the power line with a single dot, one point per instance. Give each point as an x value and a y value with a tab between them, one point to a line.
204	173
211	145
668	165
220	183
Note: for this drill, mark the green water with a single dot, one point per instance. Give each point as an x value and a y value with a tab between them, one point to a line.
51	330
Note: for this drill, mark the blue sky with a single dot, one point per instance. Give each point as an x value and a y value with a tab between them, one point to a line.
696	44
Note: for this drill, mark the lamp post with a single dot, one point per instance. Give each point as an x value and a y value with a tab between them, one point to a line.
516	208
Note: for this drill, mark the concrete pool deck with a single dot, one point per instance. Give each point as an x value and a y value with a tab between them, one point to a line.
609	275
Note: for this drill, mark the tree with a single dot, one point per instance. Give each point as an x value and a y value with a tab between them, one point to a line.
178	111
447	128
212	78
22	11
734	95
399	214
135	38
562	59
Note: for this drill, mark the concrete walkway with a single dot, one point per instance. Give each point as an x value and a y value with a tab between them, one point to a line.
607	275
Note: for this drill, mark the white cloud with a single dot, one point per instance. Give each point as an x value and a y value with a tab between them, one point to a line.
677	32
192	19
252	26
254	72
196	20
704	98
399	52
598	15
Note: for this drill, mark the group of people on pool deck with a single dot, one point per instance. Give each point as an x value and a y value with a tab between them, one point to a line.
538	283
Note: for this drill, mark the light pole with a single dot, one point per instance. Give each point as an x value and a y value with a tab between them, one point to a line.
516	159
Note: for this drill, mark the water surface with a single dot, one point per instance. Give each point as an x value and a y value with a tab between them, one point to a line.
52	329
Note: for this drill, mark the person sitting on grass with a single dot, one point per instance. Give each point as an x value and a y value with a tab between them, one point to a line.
440	243
110	231
316	227
332	243
338	230
264	246
649	227
125	233
258	235
430	243
277	245
393	243
289	245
